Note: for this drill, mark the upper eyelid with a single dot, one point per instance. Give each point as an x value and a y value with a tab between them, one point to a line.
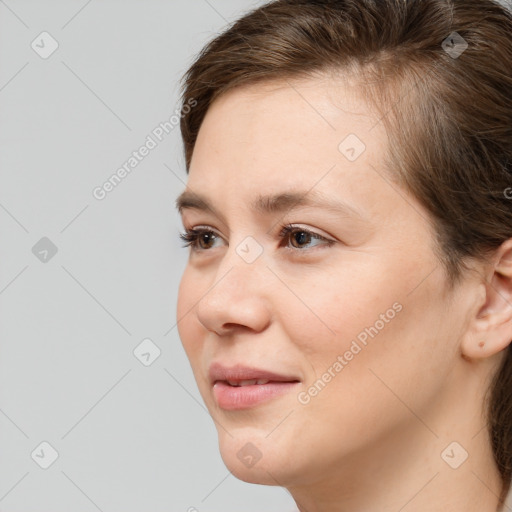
327	240
185	220
205	227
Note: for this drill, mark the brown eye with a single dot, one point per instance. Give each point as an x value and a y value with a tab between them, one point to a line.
298	239
198	239
206	238
301	237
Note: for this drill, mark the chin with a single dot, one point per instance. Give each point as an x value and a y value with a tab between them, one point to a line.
255	459
263	472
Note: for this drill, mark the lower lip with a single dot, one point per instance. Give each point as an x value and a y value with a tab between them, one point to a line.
234	398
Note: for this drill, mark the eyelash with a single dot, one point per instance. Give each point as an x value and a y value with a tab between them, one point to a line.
191	236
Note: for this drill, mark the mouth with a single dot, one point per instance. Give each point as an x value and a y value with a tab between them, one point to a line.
241	387
241	383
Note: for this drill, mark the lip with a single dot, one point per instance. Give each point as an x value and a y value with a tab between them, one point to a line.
239	372
231	397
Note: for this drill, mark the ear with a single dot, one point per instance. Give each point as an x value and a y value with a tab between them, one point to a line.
490	330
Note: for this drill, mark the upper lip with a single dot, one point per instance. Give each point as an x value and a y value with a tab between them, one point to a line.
240	372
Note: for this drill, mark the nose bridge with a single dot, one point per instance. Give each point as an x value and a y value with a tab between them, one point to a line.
236	295
249	250
240	272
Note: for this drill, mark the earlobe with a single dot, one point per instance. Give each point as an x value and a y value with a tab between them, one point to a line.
490	329
476	348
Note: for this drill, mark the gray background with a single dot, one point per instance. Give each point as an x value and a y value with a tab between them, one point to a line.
129	437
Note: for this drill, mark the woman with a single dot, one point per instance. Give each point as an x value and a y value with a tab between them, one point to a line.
347	303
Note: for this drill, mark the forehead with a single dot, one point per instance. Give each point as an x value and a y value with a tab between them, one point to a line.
285	134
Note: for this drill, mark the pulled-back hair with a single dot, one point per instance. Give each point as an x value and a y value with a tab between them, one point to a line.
446	108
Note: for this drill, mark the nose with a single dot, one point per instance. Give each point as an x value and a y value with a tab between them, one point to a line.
236	299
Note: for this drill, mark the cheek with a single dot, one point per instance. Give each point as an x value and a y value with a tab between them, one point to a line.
353	323
187	325
333	307
391	347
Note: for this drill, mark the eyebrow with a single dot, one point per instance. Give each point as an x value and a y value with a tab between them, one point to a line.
274	203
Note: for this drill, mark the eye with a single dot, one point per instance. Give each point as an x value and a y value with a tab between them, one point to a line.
302	237
202	239
198	237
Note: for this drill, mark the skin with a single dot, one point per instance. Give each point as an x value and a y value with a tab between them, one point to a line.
372	438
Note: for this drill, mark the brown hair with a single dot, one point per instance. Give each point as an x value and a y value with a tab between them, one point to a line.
448	116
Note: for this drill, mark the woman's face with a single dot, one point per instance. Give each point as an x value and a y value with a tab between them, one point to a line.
357	314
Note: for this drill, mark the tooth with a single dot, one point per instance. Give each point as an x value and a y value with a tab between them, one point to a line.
248	382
